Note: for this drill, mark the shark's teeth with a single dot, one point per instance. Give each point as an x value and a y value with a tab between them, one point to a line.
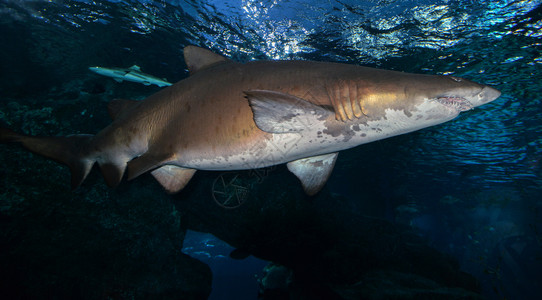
461	104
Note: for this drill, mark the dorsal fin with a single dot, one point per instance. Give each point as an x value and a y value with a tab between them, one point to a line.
117	106
197	58
135	68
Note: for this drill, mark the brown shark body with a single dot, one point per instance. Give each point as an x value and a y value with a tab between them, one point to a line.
232	116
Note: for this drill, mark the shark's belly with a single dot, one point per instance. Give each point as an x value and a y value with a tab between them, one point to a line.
282	148
278	149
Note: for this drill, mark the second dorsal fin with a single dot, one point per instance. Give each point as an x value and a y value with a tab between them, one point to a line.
197	58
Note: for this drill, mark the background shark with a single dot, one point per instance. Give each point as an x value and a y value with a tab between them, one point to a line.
132	73
232	116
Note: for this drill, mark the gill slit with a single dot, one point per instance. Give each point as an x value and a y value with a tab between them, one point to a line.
346	98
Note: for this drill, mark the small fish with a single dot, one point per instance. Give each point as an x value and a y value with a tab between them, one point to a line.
132	73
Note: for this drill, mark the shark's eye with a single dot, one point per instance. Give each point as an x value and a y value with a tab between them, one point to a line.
456	79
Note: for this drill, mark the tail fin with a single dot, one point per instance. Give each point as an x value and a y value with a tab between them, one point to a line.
66	150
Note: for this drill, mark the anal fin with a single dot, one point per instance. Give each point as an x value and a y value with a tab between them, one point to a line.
173	178
112	173
146	162
313	171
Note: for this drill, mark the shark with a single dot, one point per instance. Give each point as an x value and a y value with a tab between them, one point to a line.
132	73
228	115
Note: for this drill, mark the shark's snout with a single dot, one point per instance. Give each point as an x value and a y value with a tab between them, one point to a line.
487	95
465	100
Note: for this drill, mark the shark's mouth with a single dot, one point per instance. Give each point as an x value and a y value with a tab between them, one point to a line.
457	103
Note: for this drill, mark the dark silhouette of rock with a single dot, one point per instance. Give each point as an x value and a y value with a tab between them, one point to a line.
333	250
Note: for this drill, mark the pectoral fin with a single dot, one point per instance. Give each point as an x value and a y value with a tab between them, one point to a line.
313	171
173	178
277	112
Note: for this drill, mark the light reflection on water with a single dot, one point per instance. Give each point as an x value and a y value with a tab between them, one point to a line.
374	30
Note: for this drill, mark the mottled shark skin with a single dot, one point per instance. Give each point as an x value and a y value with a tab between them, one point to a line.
235	116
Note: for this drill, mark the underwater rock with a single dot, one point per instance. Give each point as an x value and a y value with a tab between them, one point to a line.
95	244
398	285
94	88
276	280
330	247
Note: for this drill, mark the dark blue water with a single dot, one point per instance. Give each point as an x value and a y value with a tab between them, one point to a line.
232	279
472	186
